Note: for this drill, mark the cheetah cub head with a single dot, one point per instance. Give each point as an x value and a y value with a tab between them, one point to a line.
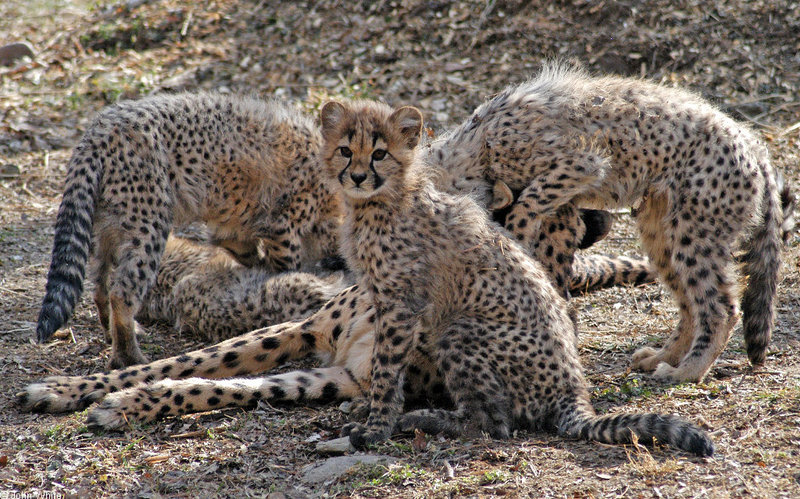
369	147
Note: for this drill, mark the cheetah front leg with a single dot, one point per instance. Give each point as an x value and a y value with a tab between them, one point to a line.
552	240
286	244
283	250
395	331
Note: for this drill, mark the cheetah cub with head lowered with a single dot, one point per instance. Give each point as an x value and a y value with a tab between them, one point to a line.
447	284
244	167
702	186
202	290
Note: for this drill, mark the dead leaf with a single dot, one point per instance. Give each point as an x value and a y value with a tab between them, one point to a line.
420	442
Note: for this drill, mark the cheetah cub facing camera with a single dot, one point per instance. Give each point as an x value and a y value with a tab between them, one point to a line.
448	285
242	166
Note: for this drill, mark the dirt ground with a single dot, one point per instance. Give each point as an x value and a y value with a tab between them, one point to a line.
446	58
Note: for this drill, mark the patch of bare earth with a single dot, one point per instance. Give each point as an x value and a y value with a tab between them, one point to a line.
446	58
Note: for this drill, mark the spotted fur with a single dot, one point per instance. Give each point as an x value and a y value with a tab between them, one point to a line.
203	290
341	333
447	285
242	166
702	186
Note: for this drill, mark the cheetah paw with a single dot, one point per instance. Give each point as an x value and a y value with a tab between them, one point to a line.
683	373
107	416
119	409
664	372
57	394
645	359
361	437
359	410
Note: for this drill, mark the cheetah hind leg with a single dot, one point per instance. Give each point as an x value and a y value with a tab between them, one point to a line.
254	352
124	328
105	255
701	284
650	359
169	397
481	399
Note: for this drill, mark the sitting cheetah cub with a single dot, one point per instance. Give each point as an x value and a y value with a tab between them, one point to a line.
243	166
701	184
445	283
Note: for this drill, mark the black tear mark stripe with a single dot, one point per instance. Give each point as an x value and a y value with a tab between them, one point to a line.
341	173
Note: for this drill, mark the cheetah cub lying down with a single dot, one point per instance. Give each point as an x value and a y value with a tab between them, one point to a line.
447	285
702	186
203	290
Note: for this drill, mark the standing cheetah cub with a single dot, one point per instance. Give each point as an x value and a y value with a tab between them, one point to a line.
244	167
445	283
702	186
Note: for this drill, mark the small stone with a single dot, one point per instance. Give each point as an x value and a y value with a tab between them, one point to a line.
10	53
336	446
334	467
9	170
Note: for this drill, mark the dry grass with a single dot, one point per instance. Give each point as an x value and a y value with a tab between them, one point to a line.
444	57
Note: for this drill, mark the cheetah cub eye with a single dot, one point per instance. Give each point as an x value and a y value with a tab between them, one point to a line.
368	147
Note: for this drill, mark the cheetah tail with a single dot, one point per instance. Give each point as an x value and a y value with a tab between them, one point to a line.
72	244
648	428
591	272
761	263
788	205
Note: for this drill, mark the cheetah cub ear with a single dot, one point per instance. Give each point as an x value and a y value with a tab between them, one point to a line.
502	197
331	116
408	121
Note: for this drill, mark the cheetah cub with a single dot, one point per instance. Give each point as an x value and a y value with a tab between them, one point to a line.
243	166
203	290
702	186
447	284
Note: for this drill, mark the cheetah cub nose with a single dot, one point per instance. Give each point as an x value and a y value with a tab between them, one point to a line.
358	178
